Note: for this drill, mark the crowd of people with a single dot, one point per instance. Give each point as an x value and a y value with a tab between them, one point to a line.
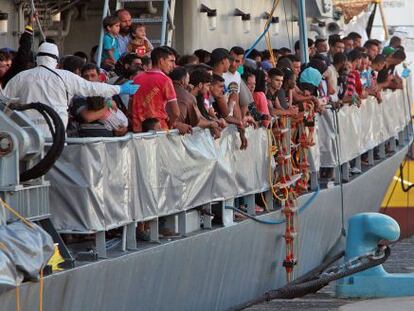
139	88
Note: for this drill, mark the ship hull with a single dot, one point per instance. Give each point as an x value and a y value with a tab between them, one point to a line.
215	269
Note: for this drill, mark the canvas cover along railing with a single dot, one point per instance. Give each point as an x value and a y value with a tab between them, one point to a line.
100	184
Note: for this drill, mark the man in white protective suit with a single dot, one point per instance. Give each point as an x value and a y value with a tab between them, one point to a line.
56	87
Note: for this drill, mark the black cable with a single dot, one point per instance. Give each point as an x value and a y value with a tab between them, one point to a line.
402	179
371	21
48	122
338	142
299	290
390	197
312	274
57	146
295	289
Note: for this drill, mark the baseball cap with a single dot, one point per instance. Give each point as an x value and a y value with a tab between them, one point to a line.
388	50
311	76
7	50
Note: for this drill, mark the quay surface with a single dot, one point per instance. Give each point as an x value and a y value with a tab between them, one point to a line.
400	261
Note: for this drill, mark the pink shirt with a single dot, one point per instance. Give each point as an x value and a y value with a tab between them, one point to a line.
261	102
261	105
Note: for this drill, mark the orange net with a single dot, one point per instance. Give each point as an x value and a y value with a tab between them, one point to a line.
351	8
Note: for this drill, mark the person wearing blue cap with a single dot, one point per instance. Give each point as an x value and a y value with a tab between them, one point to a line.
310	78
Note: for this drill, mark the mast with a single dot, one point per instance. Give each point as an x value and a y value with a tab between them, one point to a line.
303	32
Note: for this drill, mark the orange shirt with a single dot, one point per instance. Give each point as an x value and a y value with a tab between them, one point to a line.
139	47
149	102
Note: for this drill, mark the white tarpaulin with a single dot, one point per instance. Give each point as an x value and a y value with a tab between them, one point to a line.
99	184
361	129
102	183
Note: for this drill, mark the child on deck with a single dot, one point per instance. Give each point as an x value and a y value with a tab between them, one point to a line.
139	43
113	119
110	53
151	124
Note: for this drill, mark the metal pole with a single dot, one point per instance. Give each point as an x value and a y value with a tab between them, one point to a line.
164	22
39	25
104	14
303	32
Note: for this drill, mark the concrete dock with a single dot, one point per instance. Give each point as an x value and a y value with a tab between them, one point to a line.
400	261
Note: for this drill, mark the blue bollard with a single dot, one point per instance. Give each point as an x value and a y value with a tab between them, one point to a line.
364	232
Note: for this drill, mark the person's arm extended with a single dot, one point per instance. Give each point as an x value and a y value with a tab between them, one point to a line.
212	125
398	83
237	112
173	112
77	85
298	97
111	55
276	109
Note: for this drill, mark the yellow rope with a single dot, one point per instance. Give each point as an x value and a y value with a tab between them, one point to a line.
264	202
24	220
268	40
17	298
41	283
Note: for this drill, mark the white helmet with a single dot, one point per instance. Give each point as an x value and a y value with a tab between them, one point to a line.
48	49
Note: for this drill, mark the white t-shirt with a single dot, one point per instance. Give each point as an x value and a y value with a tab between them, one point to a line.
114	119
230	78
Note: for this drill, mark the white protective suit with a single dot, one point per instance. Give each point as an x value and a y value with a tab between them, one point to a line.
41	85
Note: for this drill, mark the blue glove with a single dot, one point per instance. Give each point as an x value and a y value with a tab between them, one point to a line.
406	73
129	88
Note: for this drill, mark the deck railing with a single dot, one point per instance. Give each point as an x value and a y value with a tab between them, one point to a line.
103	183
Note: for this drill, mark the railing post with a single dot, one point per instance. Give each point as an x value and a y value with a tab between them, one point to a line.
401	137
227	214
250	202
269	200
207	219
182	223
101	244
345	172
358	163
154	230
393	144
131	236
371	160
381	151
314	182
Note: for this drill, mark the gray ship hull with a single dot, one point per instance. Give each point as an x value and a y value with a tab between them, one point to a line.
210	270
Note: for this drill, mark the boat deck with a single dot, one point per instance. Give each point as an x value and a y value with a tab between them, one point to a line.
400	261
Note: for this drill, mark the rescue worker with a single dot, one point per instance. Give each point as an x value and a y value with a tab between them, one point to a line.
56	87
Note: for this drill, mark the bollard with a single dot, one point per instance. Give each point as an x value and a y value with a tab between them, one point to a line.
364	232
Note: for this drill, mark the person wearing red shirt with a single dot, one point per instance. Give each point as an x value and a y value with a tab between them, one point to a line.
156	97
